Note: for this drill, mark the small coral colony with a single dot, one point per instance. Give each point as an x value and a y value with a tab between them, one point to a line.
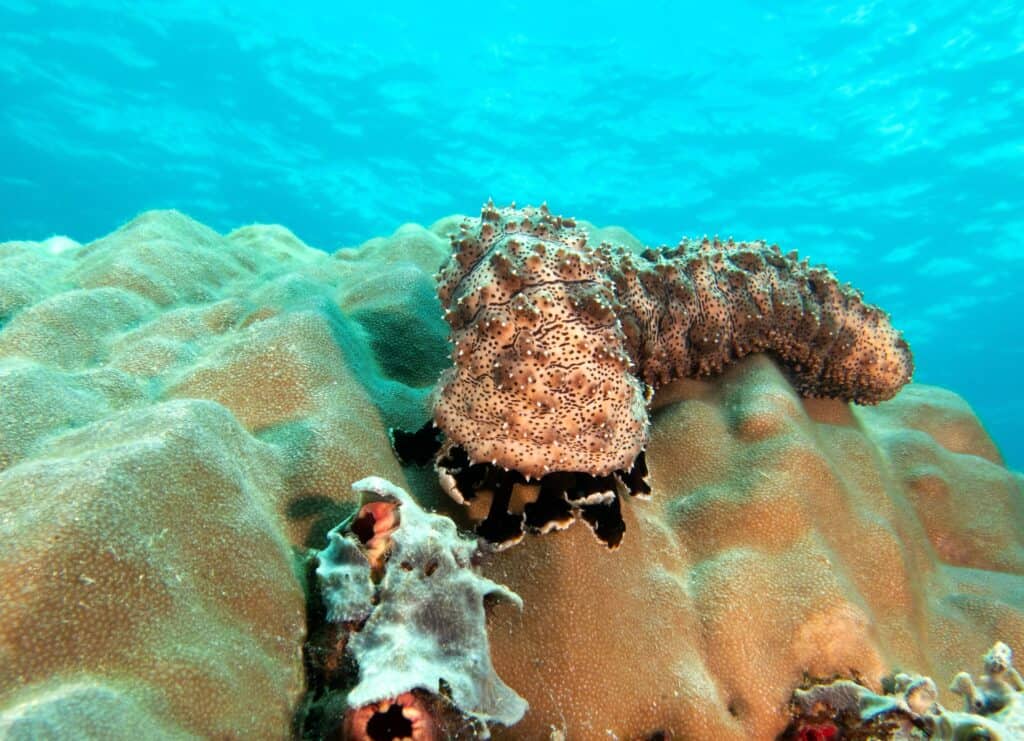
557	347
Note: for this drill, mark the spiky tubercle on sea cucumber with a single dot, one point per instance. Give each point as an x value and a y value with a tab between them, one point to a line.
557	342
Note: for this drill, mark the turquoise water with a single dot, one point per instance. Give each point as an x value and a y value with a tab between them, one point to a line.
884	139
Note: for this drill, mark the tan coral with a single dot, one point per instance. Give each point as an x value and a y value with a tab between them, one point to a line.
789	535
147	532
785	540
134	549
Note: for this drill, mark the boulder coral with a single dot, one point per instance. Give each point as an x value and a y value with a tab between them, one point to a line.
792	538
182	411
178	410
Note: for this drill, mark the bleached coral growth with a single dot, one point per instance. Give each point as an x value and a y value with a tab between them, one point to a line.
404	579
994	706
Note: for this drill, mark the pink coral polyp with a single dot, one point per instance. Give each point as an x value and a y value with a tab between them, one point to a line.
405	716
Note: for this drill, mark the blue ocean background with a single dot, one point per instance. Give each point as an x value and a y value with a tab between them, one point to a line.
883	139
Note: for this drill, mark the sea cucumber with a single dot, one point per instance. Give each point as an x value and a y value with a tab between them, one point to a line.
559	343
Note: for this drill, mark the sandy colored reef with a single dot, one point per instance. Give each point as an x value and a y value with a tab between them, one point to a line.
182	412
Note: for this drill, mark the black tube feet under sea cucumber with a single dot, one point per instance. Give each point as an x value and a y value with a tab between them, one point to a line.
557	344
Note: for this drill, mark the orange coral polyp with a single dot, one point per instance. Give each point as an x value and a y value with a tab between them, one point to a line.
402	717
374	525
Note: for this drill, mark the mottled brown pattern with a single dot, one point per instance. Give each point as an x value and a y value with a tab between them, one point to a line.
556	340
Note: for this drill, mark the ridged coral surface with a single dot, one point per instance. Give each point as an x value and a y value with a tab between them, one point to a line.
176	410
553	336
179	407
790	537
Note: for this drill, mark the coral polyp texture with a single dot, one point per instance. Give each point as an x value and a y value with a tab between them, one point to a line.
181	411
556	341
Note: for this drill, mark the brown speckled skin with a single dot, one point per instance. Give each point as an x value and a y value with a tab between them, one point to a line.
555	338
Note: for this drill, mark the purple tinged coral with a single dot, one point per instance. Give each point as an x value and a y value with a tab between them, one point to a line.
994	705
417	609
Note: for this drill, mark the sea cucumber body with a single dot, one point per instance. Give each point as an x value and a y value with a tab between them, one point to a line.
541	379
690	310
555	339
